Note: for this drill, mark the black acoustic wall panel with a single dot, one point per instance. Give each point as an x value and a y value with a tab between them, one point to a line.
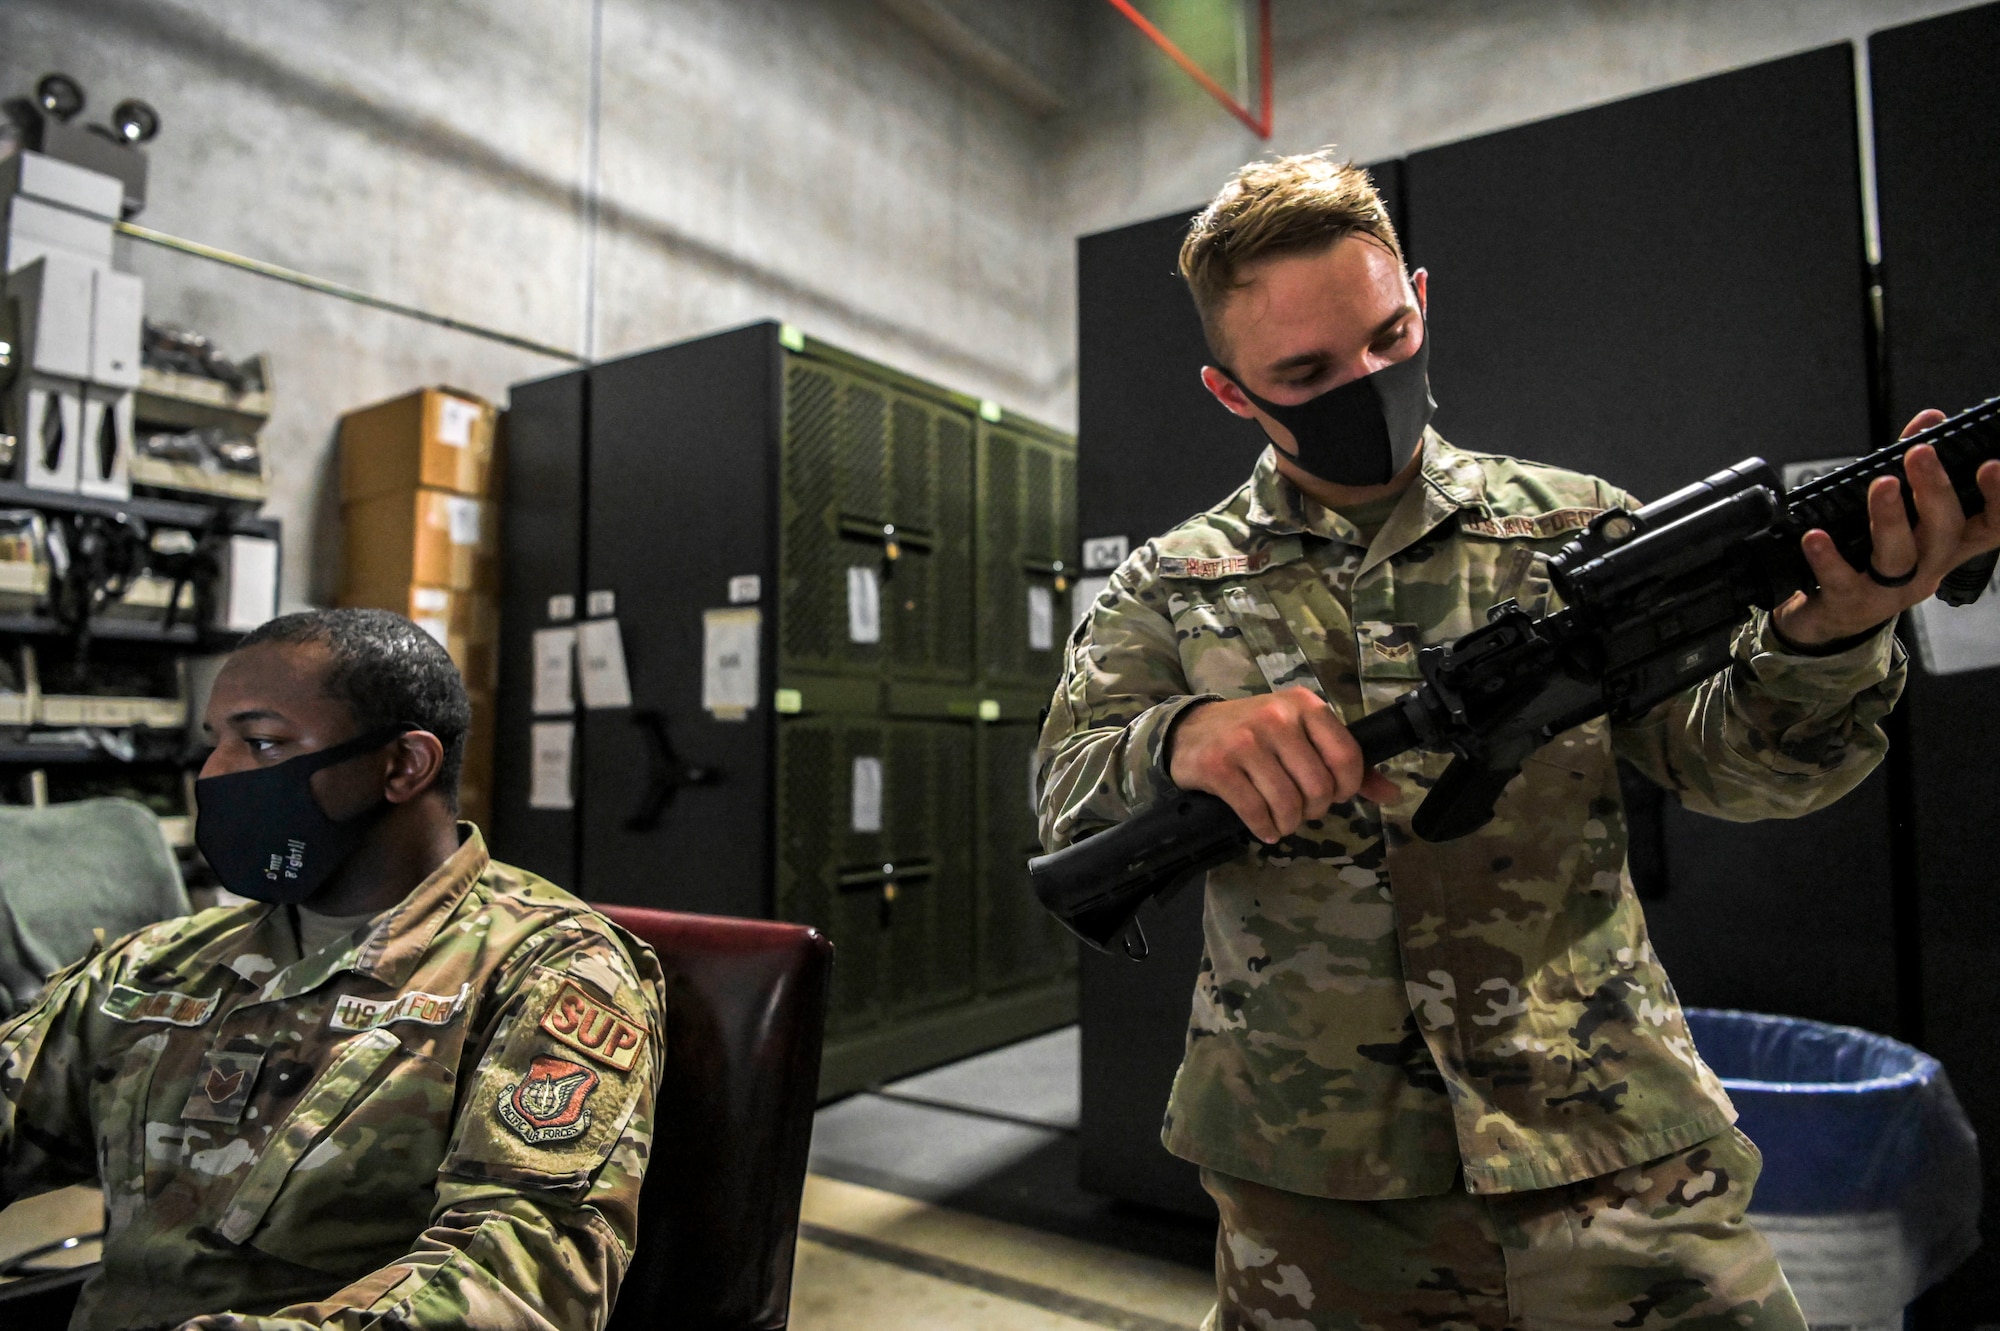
1153	448
1937	134
541	556
680	489
1650	291
1654	289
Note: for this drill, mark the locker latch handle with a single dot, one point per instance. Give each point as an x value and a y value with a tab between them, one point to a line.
666	774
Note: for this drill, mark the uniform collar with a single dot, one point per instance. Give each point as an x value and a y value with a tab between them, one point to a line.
1447	481
389	952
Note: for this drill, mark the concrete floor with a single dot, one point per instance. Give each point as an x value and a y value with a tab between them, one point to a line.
949	1200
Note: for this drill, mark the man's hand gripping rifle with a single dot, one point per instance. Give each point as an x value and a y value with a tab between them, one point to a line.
1652	602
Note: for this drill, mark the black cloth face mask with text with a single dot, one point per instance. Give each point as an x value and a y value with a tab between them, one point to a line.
264	833
1364	431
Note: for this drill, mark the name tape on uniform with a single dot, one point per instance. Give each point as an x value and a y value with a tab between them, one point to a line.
1219	566
124	1003
593	1028
363	1014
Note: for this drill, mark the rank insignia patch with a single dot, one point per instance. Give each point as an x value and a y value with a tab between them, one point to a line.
547	1104
593	1028
222	1085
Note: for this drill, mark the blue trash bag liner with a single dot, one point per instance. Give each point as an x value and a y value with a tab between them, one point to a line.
1850	1122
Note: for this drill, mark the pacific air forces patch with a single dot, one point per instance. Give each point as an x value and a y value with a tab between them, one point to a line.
547	1105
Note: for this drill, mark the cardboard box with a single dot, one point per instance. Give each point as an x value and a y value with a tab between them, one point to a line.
465	623
435	438
431	538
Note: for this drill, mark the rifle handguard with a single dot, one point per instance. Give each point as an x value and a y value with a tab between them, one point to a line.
1095	887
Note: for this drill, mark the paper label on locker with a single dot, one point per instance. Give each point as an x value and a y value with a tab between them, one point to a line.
555	693
867	802
729	640
562	608
1041	619
1083	596
455	418
439	629
548	767
463	515
600	660
1103	553
864	604
746	589
434	599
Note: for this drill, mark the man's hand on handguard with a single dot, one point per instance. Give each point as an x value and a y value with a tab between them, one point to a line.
1849	601
1279	759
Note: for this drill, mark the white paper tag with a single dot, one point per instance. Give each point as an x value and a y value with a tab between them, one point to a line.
463	516
1957	638
1101	554
864	604
562	608
439	629
729	641
555	690
455	418
746	589
548	768
600	663
1084	595
1041	619
867	802
600	604
432	600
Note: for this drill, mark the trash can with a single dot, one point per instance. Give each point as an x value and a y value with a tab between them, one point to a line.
1871	1187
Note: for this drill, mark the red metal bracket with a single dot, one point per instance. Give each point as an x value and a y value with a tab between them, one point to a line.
1259	122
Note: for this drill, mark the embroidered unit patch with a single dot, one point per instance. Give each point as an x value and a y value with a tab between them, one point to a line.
1223	566
361	1014
547	1104
125	1003
593	1028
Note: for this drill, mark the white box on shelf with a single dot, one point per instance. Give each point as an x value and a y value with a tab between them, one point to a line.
249	592
50	412
117	309
53	295
35	229
38	176
104	444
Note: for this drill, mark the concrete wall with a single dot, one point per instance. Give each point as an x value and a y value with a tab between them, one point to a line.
818	162
829	162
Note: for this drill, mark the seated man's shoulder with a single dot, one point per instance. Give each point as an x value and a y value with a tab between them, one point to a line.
534	920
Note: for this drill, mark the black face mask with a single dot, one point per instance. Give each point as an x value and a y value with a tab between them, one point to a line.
265	835
1366	430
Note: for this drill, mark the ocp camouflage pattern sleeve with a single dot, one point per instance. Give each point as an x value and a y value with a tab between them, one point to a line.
537	1198
1778	734
1103	743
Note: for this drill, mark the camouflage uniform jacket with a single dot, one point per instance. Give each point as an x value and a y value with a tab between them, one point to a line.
1374	1013
441	1121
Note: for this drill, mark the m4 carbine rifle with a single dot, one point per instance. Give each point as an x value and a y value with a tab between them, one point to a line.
1652	602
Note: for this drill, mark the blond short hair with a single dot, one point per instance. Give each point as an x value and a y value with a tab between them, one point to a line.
1289	205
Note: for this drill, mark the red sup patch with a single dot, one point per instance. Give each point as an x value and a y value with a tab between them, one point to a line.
547	1104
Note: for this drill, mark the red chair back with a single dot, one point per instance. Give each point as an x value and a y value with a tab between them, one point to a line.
719	1210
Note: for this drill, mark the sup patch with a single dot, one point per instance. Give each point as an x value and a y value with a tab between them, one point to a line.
593	1027
547	1105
